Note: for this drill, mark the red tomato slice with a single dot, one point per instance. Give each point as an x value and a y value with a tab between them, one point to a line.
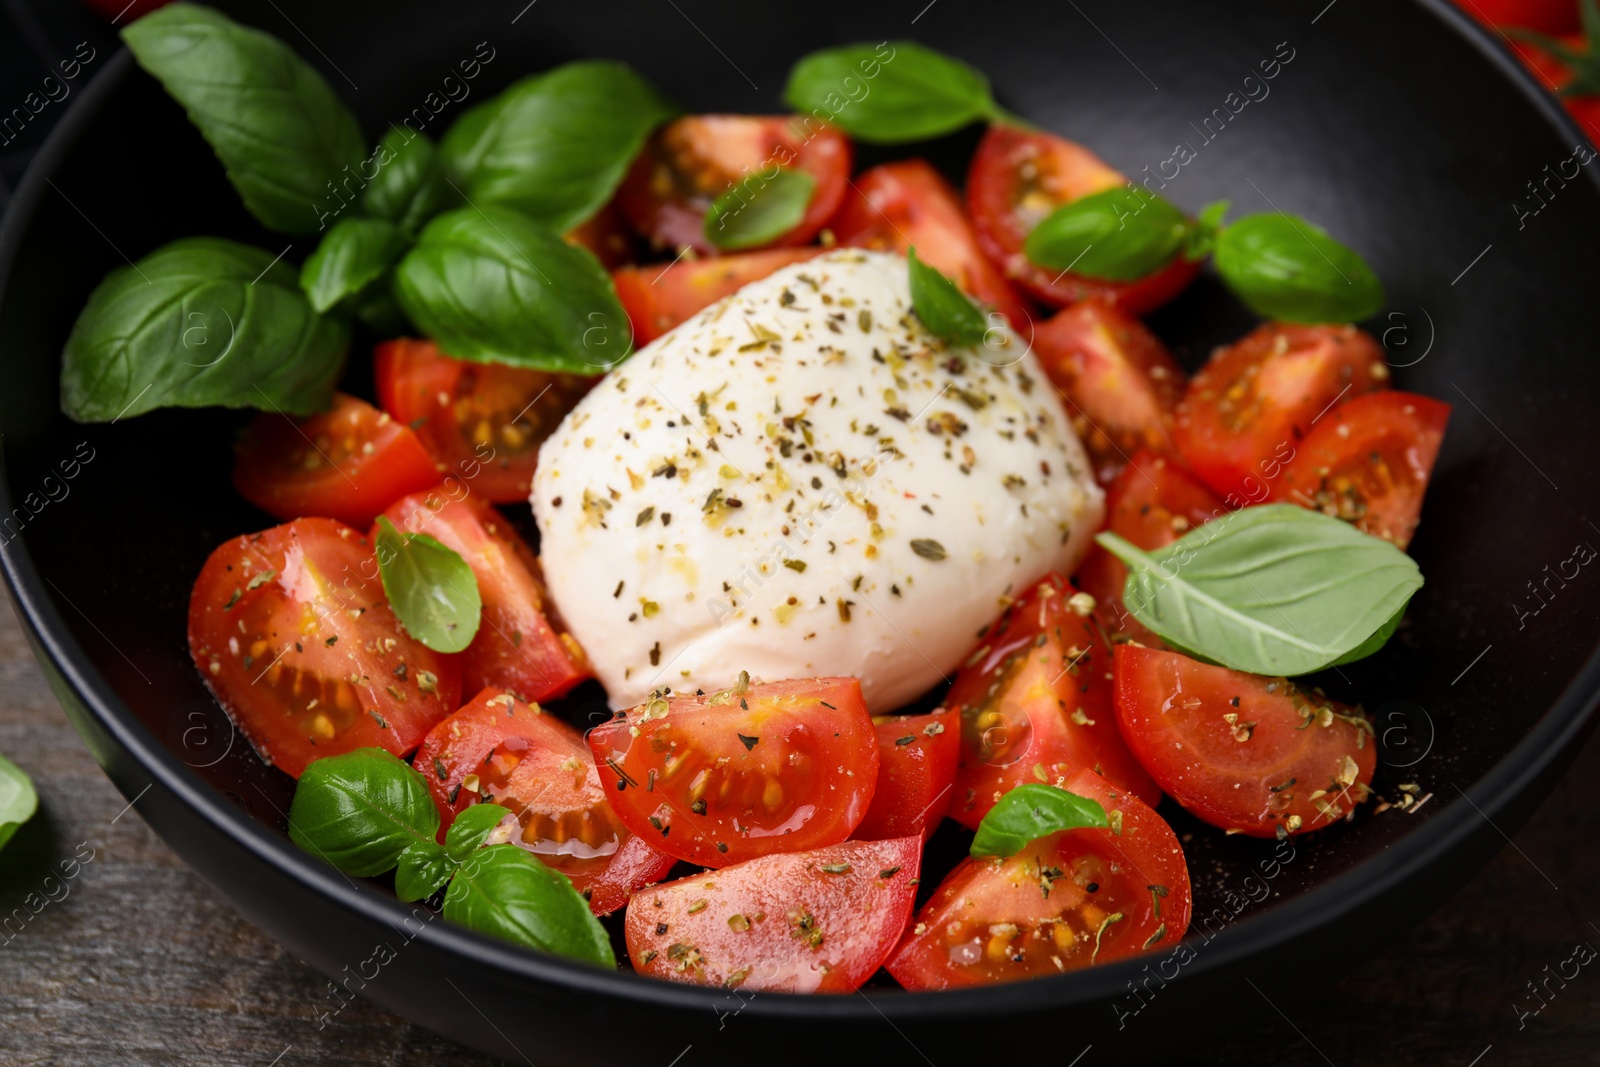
606	234
1119	381
1020	176
798	922
899	206
719	779
1071	900
1035	701
483	423
519	645
658	298
499	750
1368	462
693	160
348	463
1247	410
1247	753
1152	503
917	757
290	630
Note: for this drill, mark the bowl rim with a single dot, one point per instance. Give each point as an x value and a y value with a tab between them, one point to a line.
1560	726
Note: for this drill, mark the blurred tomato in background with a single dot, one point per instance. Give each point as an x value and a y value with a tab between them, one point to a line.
124	11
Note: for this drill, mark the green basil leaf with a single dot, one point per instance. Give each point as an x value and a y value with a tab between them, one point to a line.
555	146
758	211
1274	589
889	93
472	828
492	286
421	869
1286	268
377	309
1031	811
1120	234
506	892
279	130
354	254
1202	236
201	322
361	810
1379	638
18	800
944	309
409	188
433	592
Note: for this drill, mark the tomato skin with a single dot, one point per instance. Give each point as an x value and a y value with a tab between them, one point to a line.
279	621
1247	410
1368	462
727	777
481	422
780	923
1120	382
897	206
658	298
1223	743
519	645
1018	177
1019	702
917	756
347	463
990	920
691	161
1546	16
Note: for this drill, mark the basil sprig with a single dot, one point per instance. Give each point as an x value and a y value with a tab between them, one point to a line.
944	309
18	800
201	322
1286	268
758	210
1031	811
410	187
890	93
1121	234
1274	589
277	127
356	253
431	588
366	812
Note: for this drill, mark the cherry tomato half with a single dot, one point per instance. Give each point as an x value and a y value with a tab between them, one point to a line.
658	298
917	757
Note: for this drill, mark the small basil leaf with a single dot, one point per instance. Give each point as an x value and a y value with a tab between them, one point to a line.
361	810
1117	234
1274	589
272	120
433	592
1202	236
409	188
554	146
758	211
1379	638
492	286
18	800
1286	268
889	93
201	322
355	253
506	892
944	309
472	828
421	869
1031	811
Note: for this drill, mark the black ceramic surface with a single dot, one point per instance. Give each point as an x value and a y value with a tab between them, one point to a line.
1396	125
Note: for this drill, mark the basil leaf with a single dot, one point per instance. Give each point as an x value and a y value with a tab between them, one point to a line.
506	892
1029	812
758	211
889	93
1202	236
409	188
492	286
354	254
1274	589
944	309
18	799
554	146
379	311
430	587
279	130
471	829
1288	269
1117	233
361	810
421	869
201	322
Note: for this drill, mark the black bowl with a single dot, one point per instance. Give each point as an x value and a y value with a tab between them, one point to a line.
1400	127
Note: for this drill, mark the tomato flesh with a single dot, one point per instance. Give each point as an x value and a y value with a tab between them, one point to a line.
917	756
658	298
729	776
1035	702
1260	756
606	235
820	921
1070	900
291	632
